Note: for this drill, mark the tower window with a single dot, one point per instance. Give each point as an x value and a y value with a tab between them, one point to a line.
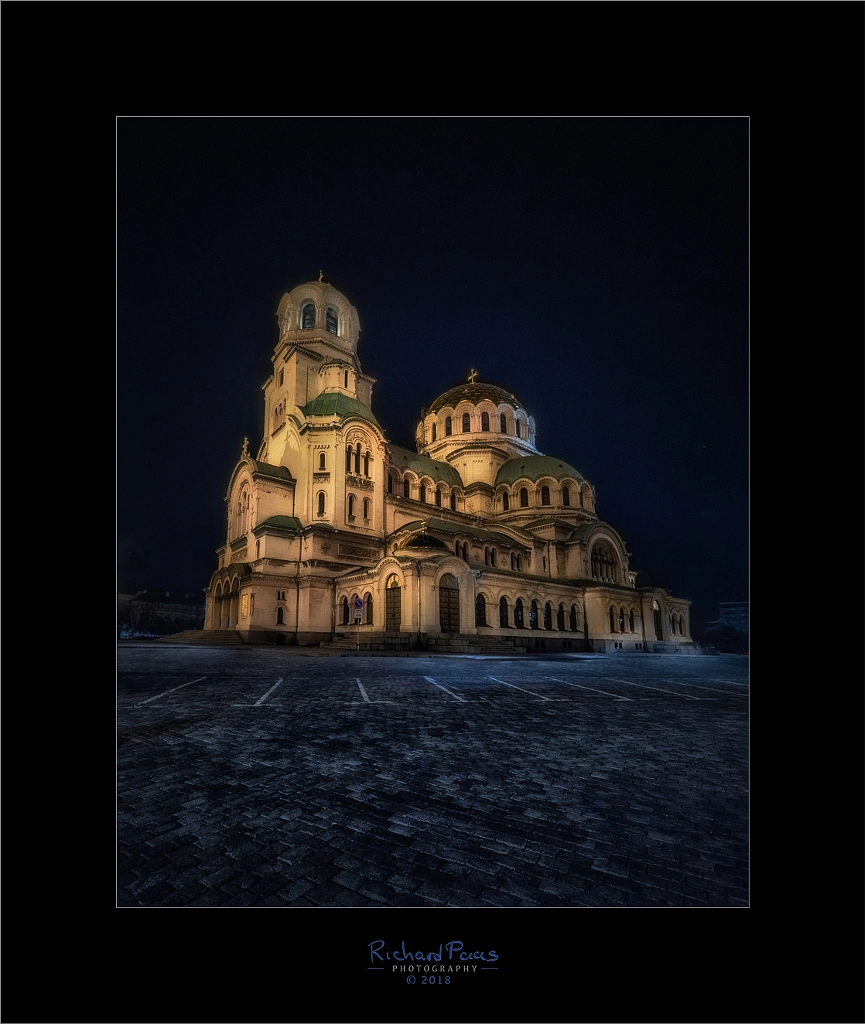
485	421
348	459
524	498
506	501
423	492
357	459
331	322
350	506
366	508
448	426
545	495
307	316
503	423
438	497
345	385
467	423
517	427
453	501
566	496
405	488
322	461
433	431
366	464
321	503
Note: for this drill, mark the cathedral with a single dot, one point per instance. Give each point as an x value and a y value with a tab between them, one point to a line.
475	541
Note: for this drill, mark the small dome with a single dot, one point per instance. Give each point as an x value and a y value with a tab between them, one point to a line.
422	539
474	392
533	467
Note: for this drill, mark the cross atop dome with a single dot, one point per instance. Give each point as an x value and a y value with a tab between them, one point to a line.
472	375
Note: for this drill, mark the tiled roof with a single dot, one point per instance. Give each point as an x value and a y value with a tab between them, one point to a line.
335	403
533	467
404	459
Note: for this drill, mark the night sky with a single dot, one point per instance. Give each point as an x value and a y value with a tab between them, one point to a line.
595	267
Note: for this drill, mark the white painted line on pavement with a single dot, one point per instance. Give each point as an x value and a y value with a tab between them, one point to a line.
363	691
173	688
672	693
261	700
615	696
532	692
446	690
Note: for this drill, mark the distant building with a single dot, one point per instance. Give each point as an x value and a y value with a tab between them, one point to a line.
159	612
730	631
332	528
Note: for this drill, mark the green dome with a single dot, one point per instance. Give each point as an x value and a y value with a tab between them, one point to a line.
533	467
474	392
335	403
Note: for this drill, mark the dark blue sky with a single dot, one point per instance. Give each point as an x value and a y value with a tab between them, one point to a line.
596	267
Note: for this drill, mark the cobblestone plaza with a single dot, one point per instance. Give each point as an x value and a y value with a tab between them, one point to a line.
265	777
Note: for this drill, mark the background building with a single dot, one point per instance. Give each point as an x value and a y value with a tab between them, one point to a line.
475	537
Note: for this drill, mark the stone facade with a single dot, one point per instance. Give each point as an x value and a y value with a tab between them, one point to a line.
475	533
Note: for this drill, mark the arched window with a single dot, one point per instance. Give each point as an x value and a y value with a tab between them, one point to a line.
406	488
524	498
548	616
348	459
486	556
280	616
503	612
480	610
389	484
545	495
621	620
453	501
345	382
366	508
673	625
533	615
517	427
448	428
467	423
331	322
506	501
566	496
545	563
518	614
603	562
321	503
438	498
350	505
656	613
322	461
344	607
368	602
631	621
612	619
366	464
560	617
485	421
573	621
433	431
492	556
503	424
465	552
357	459
307	316
423	492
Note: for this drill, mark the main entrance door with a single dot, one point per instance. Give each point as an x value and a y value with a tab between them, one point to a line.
393	605
449	604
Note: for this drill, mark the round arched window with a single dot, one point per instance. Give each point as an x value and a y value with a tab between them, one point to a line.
307	316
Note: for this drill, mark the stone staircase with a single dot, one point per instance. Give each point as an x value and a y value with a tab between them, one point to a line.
397	642
207	638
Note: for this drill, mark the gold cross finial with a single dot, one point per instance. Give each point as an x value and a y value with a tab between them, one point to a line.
472	375
321	275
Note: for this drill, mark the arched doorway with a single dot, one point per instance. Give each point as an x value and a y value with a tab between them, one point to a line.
393	604
659	629
449	604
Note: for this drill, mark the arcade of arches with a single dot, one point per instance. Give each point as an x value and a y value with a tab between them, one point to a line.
332	528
